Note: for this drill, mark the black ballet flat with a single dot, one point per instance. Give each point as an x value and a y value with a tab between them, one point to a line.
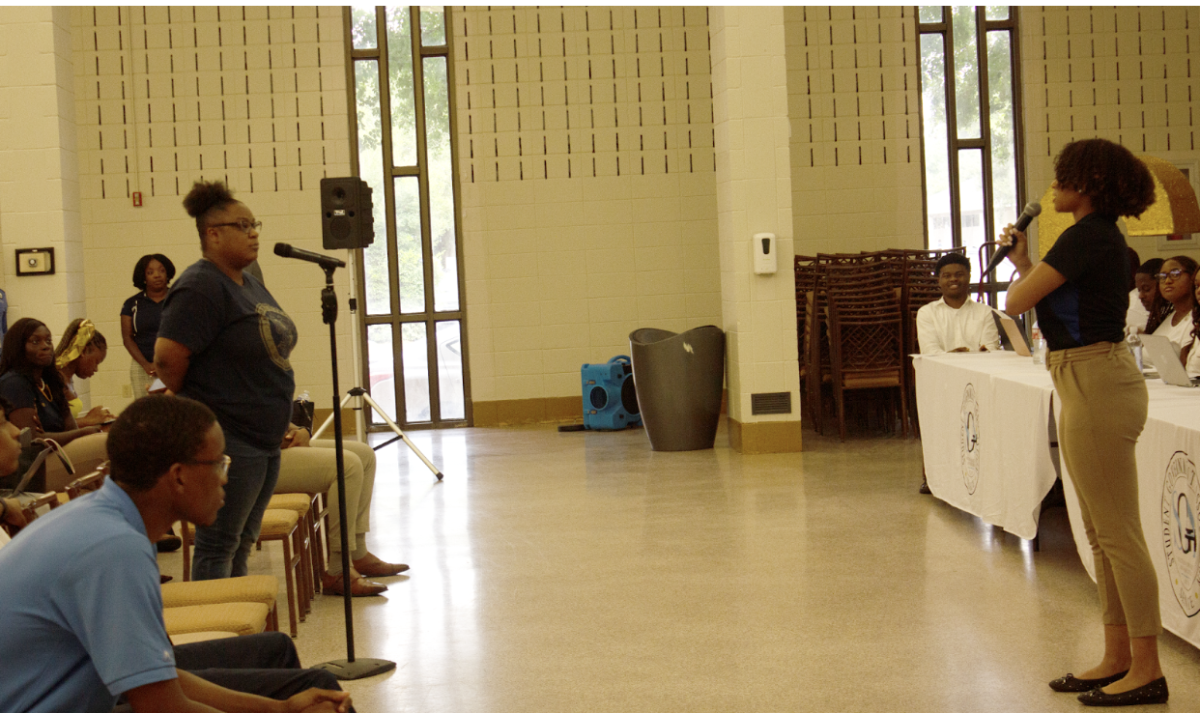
1070	684
1153	692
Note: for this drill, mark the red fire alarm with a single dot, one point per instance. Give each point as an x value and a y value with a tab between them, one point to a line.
137	199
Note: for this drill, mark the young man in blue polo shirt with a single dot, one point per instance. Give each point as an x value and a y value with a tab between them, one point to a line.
82	617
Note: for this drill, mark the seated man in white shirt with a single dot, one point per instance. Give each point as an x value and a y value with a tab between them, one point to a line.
956	323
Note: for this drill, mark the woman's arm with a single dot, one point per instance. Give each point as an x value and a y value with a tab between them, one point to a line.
171	361
1034	283
131	345
27	418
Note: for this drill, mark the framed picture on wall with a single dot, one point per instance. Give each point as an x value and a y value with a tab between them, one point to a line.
1186	241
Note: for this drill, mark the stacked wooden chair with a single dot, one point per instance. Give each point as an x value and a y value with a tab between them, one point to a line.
873	297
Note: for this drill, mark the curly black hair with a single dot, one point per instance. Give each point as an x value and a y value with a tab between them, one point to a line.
139	270
1160	308
14	358
205	197
154	433
1117	183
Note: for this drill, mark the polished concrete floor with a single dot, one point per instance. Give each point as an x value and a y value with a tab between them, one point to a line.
585	572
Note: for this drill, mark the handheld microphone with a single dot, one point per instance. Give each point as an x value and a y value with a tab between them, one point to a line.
1032	210
285	250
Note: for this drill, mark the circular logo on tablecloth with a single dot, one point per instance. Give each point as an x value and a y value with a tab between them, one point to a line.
1181	495
968	439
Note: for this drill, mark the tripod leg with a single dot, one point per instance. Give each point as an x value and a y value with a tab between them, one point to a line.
317	433
396	429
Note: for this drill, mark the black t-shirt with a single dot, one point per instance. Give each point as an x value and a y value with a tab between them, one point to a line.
240	342
146	315
1090	306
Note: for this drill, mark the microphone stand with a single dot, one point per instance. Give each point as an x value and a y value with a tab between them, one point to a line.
349	668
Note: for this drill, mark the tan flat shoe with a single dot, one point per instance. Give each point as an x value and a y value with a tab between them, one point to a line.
359	586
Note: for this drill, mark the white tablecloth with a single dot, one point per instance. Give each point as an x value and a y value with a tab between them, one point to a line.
1168	492
984	424
984	430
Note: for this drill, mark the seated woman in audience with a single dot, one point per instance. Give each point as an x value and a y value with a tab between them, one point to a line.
141	314
1145	289
308	466
1191	355
34	387
11	516
80	353
1176	288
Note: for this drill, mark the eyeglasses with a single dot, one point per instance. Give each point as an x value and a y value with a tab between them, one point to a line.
223	463
244	225
1173	274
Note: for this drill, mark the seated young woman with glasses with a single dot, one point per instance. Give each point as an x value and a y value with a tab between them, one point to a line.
1171	310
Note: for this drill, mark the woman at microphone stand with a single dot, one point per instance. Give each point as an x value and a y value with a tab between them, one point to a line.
1080	290
225	342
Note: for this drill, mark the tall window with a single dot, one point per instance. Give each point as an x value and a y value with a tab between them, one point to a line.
971	131
411	293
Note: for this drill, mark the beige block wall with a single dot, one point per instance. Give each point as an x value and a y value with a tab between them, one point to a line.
39	176
588	196
1127	74
161	97
853	103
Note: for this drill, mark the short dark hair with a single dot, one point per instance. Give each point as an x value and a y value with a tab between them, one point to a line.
204	197
1117	183
154	433
951	259
139	270
1150	267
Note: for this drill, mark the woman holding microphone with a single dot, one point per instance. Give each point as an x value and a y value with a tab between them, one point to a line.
1080	290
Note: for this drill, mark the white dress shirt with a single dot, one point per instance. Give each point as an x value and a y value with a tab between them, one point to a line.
942	328
1137	316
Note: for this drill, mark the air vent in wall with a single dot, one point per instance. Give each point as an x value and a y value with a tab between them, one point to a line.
762	404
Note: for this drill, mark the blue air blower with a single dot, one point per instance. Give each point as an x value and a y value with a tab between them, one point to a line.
609	400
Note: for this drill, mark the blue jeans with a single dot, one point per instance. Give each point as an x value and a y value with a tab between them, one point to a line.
223	548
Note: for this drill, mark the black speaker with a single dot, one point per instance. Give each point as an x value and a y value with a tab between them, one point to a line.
347	220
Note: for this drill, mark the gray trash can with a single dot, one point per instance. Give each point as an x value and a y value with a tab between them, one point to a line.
678	378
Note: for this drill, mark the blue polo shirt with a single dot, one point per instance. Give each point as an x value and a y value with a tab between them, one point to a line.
82	609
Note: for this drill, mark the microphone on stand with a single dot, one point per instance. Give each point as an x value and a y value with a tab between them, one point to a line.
285	250
1032	210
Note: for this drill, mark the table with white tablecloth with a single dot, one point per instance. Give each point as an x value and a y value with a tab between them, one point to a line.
984	428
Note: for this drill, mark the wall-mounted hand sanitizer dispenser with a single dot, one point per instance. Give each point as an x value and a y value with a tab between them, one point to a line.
765	262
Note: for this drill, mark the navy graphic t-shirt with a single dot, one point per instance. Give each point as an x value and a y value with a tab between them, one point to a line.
240	342
1090	306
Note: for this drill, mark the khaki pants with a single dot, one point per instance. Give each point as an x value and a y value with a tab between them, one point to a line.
1104	404
314	470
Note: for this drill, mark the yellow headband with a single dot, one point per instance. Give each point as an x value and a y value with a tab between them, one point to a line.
83	337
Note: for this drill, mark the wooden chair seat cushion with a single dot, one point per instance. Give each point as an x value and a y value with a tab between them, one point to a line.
199	636
258	588
239	618
299	502
278	523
